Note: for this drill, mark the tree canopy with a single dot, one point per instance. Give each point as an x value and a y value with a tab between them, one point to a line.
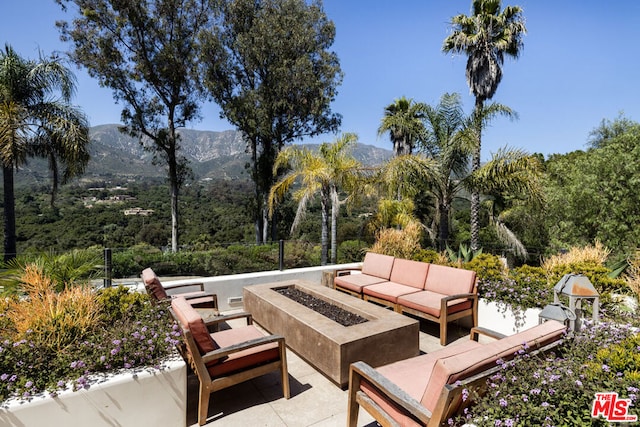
146	52
270	68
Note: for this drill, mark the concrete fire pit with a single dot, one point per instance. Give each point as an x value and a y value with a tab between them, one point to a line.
330	347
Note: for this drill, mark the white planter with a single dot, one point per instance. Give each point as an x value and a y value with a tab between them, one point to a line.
501	319
135	398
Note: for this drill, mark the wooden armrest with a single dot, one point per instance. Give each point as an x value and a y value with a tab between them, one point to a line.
469	295
348	271
390	390
183	285
478	330
225	317
222	352
201	294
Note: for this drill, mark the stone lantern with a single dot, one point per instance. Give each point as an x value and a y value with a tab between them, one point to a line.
577	288
559	312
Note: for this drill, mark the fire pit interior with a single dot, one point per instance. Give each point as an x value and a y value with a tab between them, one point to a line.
384	337
332	311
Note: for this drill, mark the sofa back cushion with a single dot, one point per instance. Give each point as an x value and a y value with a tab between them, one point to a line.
448	370
377	265
152	285
191	320
449	280
410	273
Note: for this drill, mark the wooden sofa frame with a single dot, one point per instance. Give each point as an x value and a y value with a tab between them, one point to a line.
383	274
450	401
209	384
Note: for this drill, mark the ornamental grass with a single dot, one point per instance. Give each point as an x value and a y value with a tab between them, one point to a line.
52	341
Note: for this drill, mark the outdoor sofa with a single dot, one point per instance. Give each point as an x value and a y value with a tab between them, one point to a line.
427	390
158	293
434	292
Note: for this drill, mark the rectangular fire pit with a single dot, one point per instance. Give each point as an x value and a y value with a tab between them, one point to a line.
385	337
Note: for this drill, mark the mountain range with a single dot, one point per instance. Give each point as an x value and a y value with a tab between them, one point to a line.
211	155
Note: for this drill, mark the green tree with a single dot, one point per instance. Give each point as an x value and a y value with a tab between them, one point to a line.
146	52
327	172
592	195
403	119
36	119
485	36
270	69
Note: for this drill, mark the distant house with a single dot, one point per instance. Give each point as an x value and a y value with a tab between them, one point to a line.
138	212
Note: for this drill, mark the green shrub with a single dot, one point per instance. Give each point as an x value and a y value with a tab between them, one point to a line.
351	251
428	255
486	266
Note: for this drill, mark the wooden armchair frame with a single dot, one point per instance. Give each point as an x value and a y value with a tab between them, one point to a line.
209	384
450	401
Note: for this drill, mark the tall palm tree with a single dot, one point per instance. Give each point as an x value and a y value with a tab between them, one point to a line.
325	172
486	36
36	120
403	120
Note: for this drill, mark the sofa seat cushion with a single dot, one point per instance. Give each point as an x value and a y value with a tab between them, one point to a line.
388	291
412	376
245	358
410	273
191	320
463	365
152	285
377	265
449	280
355	282
430	303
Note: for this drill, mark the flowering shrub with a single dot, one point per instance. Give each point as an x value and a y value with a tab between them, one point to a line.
558	388
123	338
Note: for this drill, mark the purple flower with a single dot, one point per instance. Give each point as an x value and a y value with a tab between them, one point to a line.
28	384
503	402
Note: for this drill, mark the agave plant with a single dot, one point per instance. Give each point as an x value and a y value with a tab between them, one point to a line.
464	254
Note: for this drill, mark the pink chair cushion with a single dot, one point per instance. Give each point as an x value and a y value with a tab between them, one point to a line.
449	281
377	265
355	282
245	358
410	273
152	285
461	366
190	319
411	375
388	291
430	303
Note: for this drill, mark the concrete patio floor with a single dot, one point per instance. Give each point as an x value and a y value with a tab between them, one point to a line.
315	400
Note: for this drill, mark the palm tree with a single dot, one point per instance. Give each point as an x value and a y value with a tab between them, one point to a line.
36	120
486	36
447	143
327	171
403	120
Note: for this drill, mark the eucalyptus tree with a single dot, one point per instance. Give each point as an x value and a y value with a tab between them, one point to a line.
403	120
37	120
485	36
146	52
326	173
271	71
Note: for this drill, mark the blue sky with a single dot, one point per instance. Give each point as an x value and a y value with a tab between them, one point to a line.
580	64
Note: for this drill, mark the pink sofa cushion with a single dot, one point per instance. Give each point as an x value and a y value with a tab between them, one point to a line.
410	273
190	319
245	358
355	282
388	291
412	376
461	366
449	281
152	285
430	303
377	265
